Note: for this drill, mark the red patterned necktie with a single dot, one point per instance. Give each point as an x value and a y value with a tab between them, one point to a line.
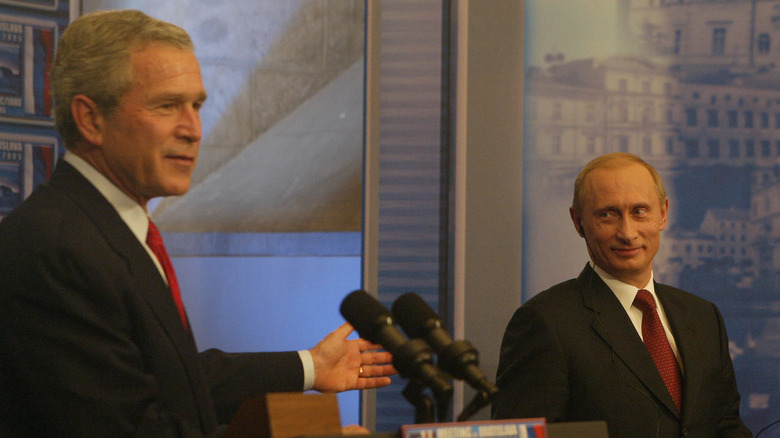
155	242
656	342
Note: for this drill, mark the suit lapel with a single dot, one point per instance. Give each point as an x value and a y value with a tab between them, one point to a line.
142	269
613	325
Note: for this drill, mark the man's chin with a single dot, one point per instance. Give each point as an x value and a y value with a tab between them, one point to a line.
175	190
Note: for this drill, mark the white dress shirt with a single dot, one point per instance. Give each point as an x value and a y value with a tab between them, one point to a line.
626	293
137	219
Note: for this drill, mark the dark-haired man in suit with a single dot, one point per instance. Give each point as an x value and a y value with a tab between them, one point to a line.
93	339
649	359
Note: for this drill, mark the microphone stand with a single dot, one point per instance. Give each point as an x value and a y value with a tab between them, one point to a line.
479	401
443	399
423	405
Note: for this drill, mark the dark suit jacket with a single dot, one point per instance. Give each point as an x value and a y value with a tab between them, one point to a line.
571	353
91	343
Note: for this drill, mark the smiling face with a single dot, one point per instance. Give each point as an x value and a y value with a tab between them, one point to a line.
149	144
621	219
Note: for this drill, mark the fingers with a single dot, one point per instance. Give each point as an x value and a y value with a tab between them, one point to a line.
343	331
365	345
375	358
370	371
354	429
372	382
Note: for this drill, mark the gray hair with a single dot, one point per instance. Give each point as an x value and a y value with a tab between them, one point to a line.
93	59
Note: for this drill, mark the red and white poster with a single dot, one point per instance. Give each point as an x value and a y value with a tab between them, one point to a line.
29	144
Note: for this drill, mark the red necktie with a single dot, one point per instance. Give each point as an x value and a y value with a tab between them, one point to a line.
656	342
155	242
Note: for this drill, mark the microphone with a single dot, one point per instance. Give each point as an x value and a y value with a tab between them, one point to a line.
459	358
412	359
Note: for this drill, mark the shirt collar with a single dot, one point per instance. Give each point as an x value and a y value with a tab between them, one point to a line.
134	215
624	292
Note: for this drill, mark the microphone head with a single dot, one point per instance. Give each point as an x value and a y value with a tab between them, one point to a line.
366	314
413	314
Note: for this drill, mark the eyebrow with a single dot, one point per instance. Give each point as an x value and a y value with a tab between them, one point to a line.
613	207
177	97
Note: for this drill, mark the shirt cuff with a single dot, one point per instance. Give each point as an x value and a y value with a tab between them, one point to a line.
308	369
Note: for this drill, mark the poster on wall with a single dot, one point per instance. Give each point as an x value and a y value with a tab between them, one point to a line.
29	144
26	56
47	5
25	162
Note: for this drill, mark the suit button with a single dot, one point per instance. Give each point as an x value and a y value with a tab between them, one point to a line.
685	431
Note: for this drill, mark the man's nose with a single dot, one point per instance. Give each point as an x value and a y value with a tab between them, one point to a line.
627	229
189	126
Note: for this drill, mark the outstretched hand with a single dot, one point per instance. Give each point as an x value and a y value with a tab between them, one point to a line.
341	364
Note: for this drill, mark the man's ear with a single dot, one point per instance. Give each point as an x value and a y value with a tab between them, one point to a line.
577	220
89	119
664	214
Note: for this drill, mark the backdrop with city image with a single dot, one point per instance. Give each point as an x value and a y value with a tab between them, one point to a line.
694	89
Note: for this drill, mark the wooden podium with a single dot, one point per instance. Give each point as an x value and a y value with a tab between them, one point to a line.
294	414
286	415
